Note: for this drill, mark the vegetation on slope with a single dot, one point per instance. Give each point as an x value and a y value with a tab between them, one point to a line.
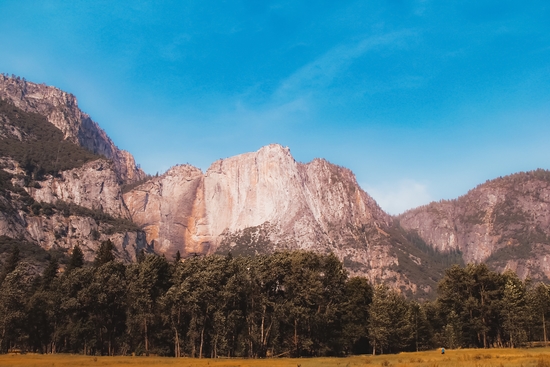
36	144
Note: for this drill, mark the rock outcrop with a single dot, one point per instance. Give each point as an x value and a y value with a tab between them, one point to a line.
61	109
93	186
81	206
504	222
64	232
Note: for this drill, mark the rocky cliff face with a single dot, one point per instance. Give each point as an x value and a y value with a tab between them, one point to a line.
61	109
82	206
304	204
504	222
93	186
266	201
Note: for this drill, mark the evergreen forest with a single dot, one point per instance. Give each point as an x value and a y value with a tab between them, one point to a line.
283	304
38	146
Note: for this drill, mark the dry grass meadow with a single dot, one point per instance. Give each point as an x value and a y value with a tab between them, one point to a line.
535	357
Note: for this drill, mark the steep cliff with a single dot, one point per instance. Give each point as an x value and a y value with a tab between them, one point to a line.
61	109
93	186
266	201
83	206
504	222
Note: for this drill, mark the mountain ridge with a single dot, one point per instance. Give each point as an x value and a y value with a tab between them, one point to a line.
252	203
504	222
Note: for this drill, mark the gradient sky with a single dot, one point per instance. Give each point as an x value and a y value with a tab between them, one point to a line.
423	99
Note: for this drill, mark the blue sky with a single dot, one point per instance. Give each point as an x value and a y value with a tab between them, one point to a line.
423	100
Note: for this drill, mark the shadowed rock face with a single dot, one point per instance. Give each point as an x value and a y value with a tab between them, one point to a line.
61	109
164	208
504	222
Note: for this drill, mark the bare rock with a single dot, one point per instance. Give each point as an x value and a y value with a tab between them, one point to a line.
93	186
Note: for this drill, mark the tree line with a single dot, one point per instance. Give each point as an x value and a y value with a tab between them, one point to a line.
283	304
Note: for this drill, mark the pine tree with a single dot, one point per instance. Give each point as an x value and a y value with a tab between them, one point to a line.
14	295
379	320
539	303
140	256
355	314
105	253
50	273
13	259
77	259
177	257
513	309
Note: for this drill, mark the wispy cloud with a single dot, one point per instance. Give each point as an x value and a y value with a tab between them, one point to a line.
294	97
321	72
269	114
395	199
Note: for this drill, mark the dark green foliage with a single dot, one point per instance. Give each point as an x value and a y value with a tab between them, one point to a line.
15	290
77	259
355	315
42	149
389	326
287	304
11	262
148	281
177	257
5	181
50	273
30	252
140	256
105	253
480	308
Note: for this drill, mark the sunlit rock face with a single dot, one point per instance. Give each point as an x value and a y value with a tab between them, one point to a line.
164	207
503	222
261	202
61	232
61	109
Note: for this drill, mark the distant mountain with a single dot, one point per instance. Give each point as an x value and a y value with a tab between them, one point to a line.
504	222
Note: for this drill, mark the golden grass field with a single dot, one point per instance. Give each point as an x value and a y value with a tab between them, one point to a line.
535	357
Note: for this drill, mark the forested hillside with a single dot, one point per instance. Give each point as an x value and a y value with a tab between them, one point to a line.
37	145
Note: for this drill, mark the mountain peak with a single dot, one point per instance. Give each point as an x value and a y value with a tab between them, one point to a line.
61	109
